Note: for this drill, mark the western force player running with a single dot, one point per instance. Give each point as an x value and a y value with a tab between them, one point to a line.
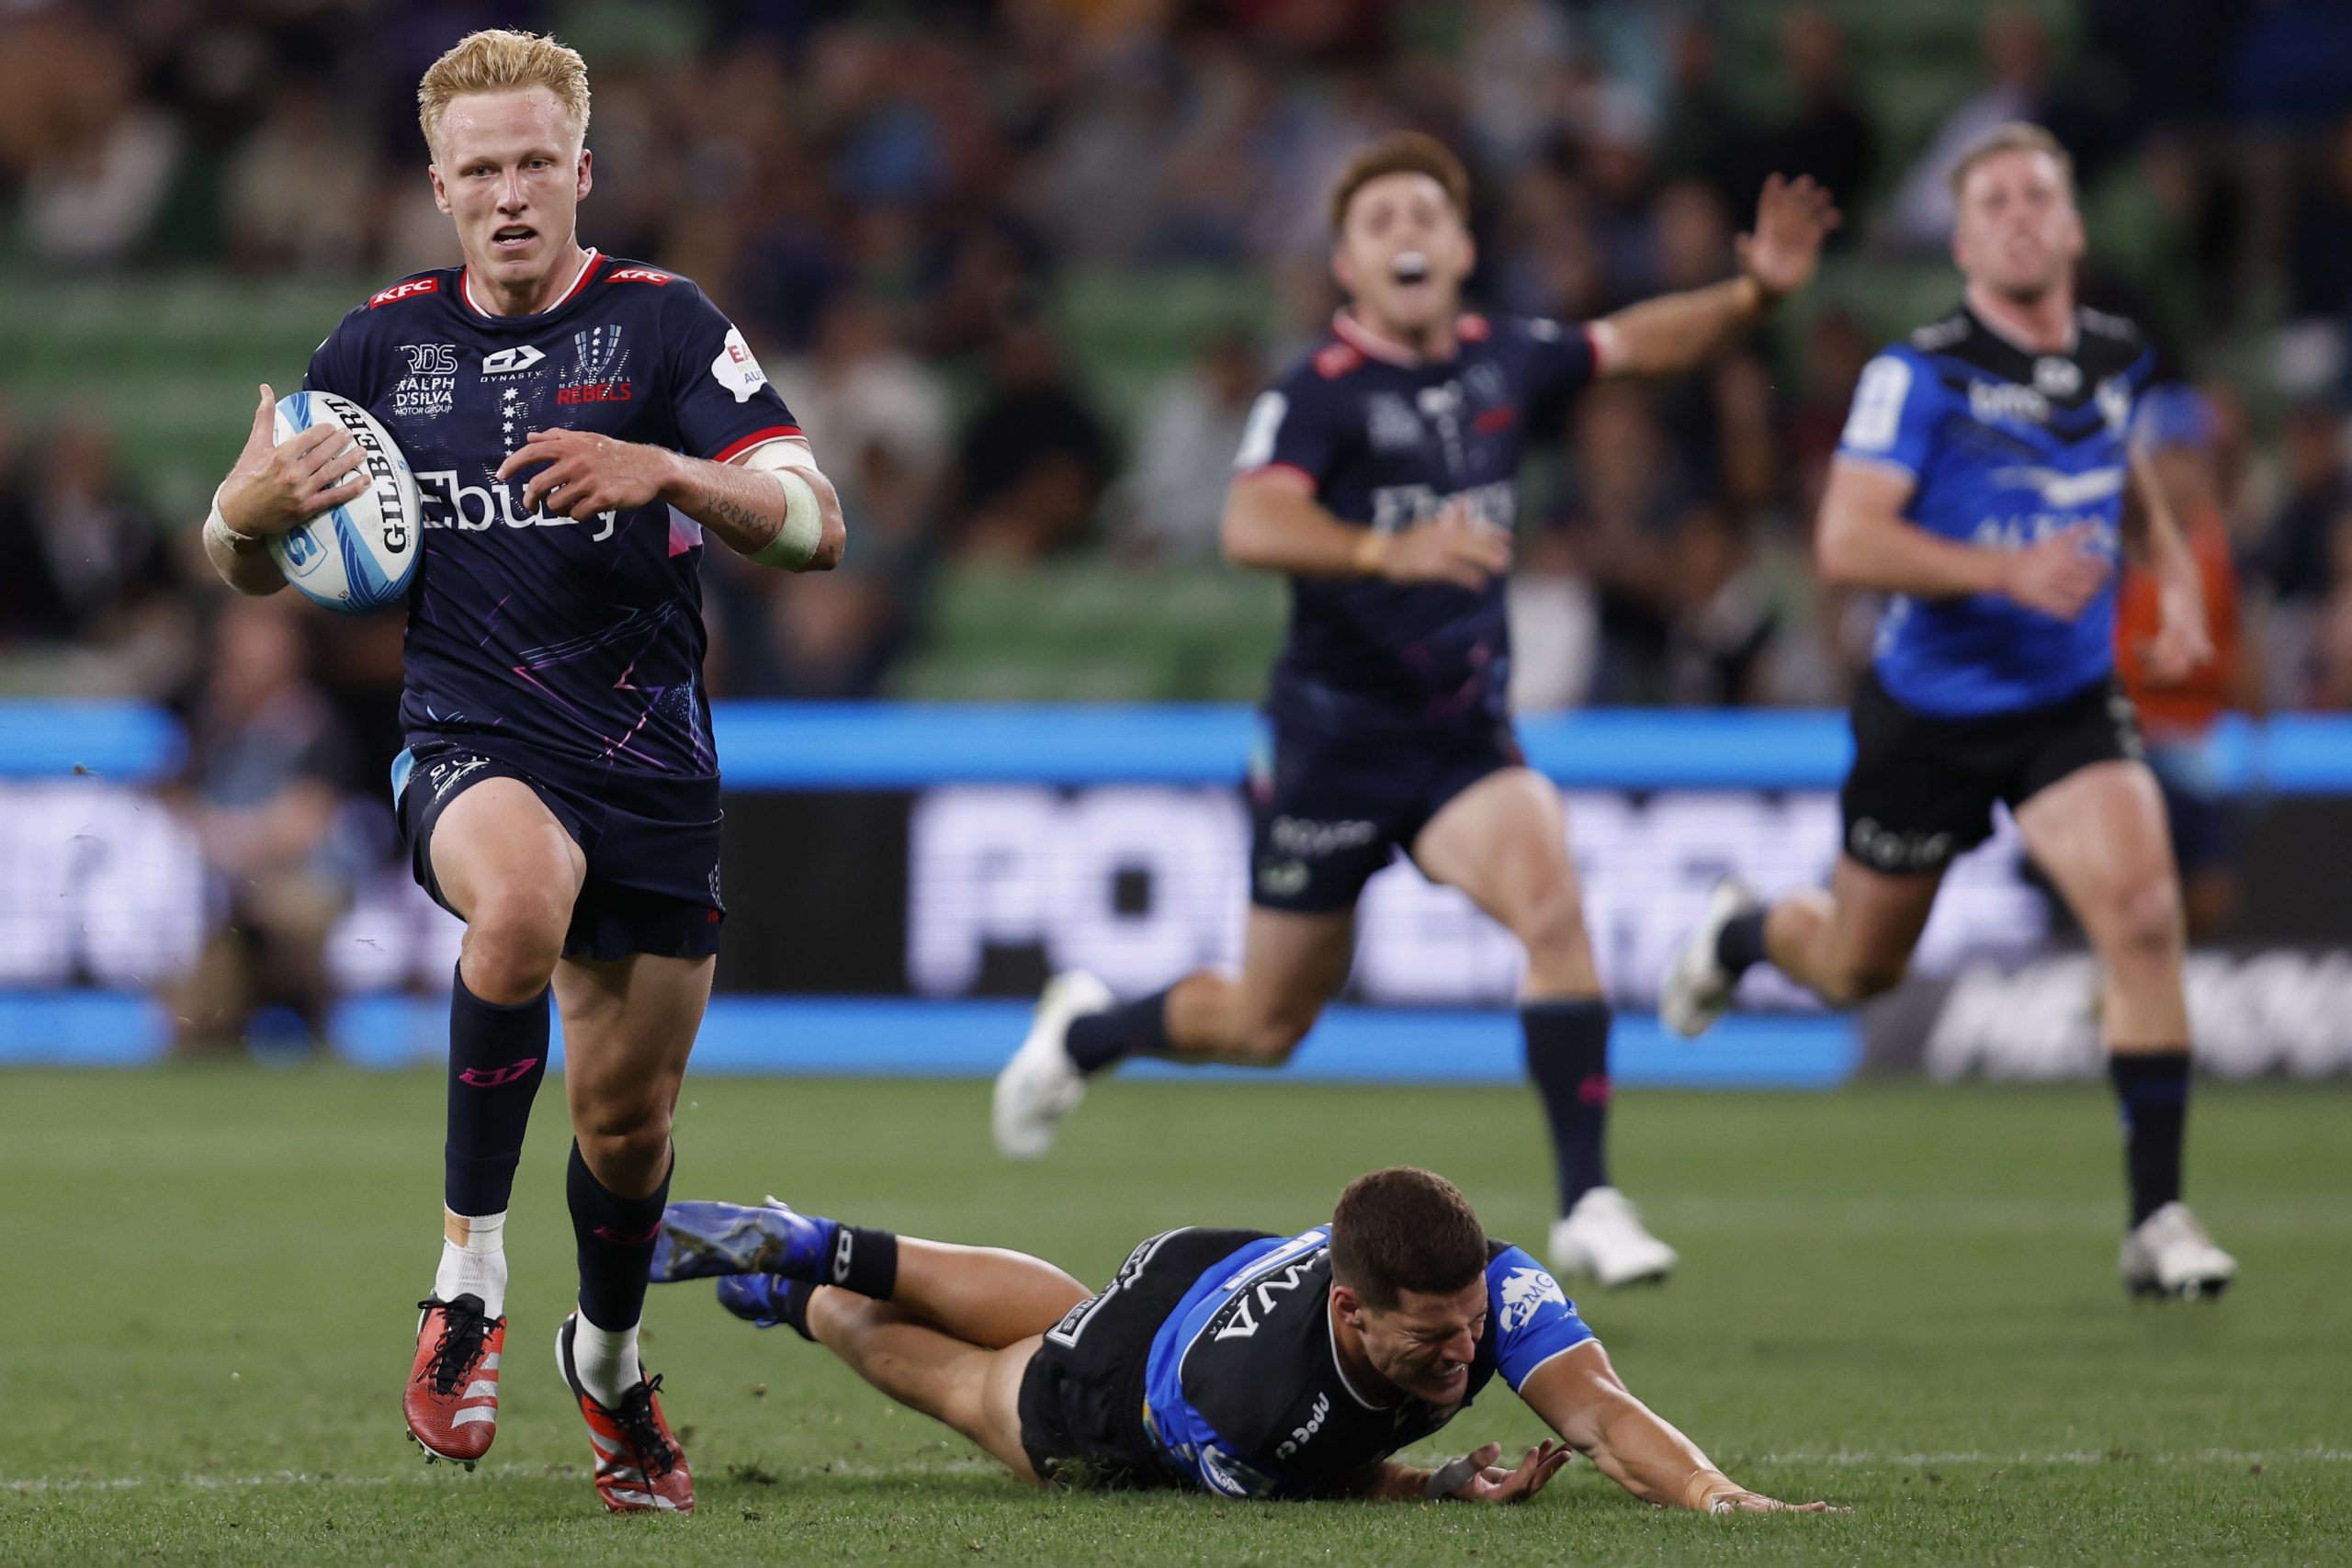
1231	1361
1981	483
577	422
1378	475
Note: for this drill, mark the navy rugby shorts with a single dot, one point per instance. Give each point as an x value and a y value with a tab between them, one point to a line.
1922	788
1331	807
652	848
1081	1399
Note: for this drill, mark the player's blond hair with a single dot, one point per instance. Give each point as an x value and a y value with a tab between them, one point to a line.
2016	136
497	59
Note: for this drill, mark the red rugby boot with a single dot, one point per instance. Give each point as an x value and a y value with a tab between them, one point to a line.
451	1401
640	1469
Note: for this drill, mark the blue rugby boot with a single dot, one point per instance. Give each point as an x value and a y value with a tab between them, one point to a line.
757	1299
700	1239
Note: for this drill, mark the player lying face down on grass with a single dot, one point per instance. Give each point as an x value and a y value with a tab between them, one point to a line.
1231	1361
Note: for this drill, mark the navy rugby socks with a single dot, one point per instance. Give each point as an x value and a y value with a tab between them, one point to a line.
1132	1029
497	1057
2151	1089
615	1236
1740	944
1567	1055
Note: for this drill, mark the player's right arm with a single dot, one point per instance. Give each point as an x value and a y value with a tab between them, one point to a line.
1274	521
272	487
1865	541
1578	1393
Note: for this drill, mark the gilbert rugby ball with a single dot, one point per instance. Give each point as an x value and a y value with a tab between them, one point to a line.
361	556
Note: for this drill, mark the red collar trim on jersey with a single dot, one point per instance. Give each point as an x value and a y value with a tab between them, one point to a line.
1389	350
466	288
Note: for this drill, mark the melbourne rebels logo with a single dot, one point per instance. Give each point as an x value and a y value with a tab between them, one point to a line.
598	361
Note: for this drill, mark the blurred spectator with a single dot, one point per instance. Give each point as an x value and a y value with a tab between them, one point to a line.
87	572
265	758
1034	460
878	418
2176	429
1830	133
2294	559
104	159
1721	622
2016	64
1626	501
283	208
1173	494
1554	627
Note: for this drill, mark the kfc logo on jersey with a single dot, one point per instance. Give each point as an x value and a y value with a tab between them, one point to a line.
511	361
736	369
403	290
639	274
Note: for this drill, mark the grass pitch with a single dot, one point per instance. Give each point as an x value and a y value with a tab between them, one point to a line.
1901	1299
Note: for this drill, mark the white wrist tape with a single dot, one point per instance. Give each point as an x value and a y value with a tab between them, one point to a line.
216	526
794	544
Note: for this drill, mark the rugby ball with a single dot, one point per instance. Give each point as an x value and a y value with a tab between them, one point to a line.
361	556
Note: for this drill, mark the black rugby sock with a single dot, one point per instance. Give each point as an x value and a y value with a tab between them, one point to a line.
2153	1091
1096	1040
615	1236
791	1305
1567	1055
1740	944
863	1260
497	1057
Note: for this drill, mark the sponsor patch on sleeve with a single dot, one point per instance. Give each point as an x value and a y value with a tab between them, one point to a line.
736	369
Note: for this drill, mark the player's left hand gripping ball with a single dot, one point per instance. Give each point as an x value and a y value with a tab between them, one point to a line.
359	554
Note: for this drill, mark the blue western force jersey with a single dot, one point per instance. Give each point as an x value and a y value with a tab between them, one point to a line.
1388	440
1245	1395
555	642
2005	447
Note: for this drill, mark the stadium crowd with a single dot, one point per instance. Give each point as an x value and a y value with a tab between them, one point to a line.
898	202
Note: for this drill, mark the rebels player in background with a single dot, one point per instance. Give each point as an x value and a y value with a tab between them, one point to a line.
1981	482
1228	1361
577	422
1378	476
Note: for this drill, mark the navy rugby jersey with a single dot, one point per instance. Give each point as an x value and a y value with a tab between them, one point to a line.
1388	440
2005	447
1244	1391
534	635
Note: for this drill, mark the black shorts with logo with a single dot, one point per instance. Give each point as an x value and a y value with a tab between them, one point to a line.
1082	1396
1921	790
652	849
1330	808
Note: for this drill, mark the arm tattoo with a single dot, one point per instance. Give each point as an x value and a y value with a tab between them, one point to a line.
723	508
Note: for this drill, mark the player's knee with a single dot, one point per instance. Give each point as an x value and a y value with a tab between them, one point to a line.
624	1135
1270	1040
2146	923
1553	931
514	940
1851	983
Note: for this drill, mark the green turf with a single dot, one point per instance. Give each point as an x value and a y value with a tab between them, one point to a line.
1902	1300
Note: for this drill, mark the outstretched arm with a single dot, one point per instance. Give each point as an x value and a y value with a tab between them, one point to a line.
1578	1393
1676	332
